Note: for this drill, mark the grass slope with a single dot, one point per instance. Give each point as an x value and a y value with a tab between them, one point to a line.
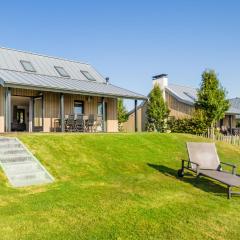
118	186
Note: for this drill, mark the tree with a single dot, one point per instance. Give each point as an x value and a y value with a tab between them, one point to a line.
212	98
121	113
157	110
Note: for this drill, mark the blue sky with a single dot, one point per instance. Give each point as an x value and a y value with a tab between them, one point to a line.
130	41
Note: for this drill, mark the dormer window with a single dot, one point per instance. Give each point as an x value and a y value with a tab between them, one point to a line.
61	71
27	66
88	75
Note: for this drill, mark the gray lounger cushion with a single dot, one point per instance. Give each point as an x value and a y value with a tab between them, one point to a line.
204	154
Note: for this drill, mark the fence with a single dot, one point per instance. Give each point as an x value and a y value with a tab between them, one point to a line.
231	139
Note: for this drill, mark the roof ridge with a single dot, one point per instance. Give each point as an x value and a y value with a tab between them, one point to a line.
182	86
234	98
43	55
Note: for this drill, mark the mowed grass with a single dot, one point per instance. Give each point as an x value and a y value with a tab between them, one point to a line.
118	186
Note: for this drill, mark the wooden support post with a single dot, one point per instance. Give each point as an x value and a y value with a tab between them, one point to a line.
62	112
103	115
30	115
8	110
135	114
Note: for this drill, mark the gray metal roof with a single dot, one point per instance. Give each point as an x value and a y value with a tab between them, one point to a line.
235	103
233	110
46	77
184	94
188	95
58	84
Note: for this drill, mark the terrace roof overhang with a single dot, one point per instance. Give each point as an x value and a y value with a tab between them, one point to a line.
23	80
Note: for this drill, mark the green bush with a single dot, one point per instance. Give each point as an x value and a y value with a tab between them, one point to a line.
188	125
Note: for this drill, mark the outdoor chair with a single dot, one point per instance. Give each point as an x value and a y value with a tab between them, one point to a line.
70	124
204	161
79	124
90	122
99	125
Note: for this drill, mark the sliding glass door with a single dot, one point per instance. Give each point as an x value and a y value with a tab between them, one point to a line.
38	114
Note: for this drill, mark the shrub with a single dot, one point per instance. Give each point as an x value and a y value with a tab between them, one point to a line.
188	125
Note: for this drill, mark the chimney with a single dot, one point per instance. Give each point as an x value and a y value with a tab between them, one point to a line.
107	80
162	81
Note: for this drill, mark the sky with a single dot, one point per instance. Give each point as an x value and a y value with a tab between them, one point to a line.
130	41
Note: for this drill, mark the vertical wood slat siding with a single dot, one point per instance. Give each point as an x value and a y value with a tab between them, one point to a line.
112	123
129	125
178	109
52	107
2	101
52	110
24	92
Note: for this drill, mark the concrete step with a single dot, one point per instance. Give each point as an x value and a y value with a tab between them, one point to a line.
29	179
6	145
10	158
7	140
12	151
20	168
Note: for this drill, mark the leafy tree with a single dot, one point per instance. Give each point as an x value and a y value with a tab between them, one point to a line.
157	110
121	113
212	98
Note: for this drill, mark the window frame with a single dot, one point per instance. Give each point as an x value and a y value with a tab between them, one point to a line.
60	73
81	102
87	75
23	62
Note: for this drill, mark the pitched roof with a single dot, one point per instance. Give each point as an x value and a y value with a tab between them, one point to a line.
184	94
188	95
235	103
46	77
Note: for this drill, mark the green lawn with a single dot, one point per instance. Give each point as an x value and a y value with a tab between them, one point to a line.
118	186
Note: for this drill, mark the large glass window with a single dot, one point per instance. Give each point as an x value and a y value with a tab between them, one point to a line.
27	66
61	71
78	107
88	75
100	109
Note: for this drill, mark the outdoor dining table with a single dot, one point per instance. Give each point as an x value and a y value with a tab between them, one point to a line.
57	122
97	122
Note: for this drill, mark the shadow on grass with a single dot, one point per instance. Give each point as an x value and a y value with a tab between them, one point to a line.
202	183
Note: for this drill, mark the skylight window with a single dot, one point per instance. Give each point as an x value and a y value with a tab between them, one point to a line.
88	75
61	71
27	66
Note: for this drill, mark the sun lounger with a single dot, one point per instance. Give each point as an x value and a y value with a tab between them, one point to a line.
204	160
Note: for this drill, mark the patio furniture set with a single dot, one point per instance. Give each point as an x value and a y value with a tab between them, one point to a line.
80	123
230	131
